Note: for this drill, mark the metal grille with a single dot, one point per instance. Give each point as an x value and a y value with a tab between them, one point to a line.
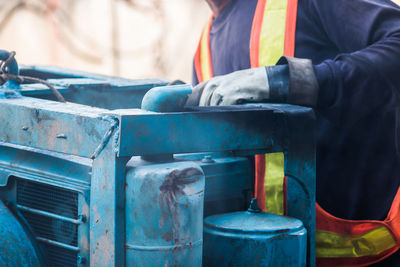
58	236
60	257
47	198
53	229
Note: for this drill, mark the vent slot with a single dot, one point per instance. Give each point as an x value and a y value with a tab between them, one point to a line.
51	213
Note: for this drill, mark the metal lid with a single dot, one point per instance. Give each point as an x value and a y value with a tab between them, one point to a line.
248	222
253	222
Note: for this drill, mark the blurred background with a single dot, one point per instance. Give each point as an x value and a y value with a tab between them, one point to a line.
128	38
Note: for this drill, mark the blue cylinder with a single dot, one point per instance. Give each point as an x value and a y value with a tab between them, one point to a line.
166	98
254	239
164	213
16	247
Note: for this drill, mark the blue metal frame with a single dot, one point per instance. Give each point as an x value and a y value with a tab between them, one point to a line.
111	137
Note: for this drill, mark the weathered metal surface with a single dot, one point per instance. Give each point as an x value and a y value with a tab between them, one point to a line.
88	88
205	130
39	123
16	247
254	239
107	228
40	139
53	72
164	213
44	167
105	93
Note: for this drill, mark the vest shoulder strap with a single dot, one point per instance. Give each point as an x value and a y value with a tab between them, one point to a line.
273	31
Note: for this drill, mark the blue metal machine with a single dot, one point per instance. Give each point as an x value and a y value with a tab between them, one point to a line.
106	180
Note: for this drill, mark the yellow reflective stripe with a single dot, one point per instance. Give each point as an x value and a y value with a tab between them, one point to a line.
272	37
205	54
273	183
397	2
333	245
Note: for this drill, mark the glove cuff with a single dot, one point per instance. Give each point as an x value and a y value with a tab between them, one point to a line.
278	81
303	89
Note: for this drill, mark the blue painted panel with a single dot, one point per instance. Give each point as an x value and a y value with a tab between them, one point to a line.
107	216
224	129
65	170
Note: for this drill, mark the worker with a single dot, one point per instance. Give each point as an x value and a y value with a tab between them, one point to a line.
341	58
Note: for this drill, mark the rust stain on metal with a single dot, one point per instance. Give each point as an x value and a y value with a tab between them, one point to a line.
160	223
172	186
167	236
174	183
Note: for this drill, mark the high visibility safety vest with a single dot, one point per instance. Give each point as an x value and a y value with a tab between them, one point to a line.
338	242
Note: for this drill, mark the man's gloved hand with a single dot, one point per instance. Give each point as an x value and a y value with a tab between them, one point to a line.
250	85
265	84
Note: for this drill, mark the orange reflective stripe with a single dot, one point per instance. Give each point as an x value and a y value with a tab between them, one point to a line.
197	63
393	218
290	34
202	59
256	33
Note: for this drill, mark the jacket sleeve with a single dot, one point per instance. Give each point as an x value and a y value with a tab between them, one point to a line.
365	75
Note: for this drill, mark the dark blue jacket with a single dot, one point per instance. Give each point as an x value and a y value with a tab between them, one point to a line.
355	48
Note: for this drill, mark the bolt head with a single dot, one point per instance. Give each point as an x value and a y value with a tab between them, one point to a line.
80	260
208	159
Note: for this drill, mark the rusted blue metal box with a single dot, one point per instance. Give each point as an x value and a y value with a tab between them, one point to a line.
65	176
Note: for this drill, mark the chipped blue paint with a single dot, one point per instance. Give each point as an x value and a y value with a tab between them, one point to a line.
48	143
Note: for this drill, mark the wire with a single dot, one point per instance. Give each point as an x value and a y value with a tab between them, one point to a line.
6	76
